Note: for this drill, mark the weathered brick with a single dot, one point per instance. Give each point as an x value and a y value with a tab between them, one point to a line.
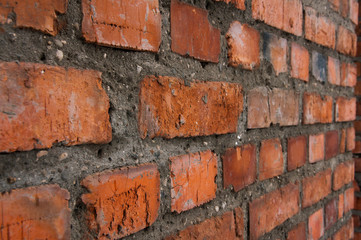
344	8
315	225
330	213
270	159
275	51
316	187
41	105
341	205
319	66
316	109
239	223
170	108
350	138
316	148
298	232
284	107
258	108
349	200
272	209
348	74
335	4
192	180
334	73
243	46
297	152
239	166
346	41
320	29
300	61
128	25
221	227
332	144
343	174
39	15
354	8
357	165
345	232
115	209
345	109
240	4
188	23
35	213
282	14
343	141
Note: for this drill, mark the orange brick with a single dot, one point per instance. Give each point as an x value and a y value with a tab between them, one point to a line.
335	4
275	51
343	174
272	209
270	159
346	41
221	227
332	144
345	232
343	141
345	109
239	166
344	8
334	74
316	187
348	74
243	46
350	138
316	109
169	108
284	107
39	212
349	200
300	61
127	25
239	223
341	205
240	4
316	148
192	180
282	14
354	8
116	209
357	165
315	225
297	152
39	15
41	105
298	232
320	30
188	23
330	213
258	108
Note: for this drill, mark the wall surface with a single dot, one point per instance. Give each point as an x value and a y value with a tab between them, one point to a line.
192	119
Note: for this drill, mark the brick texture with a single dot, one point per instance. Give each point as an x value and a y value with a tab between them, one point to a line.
315	225
348	75
270	159
296	152
350	138
316	109
343	174
349	200
331	213
298	232
316	148
334	72
316	188
346	41
319	66
345	109
331	144
300	61
275	51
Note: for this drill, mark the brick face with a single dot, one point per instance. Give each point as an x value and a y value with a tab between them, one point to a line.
315	225
330	213
319	66
343	174
348	75
41	105
331	144
316	188
258	108
169	108
345	109
300	61
350	138
334	72
270	159
346	41
298	232
316	109
275	51
316	148
296	152
349	199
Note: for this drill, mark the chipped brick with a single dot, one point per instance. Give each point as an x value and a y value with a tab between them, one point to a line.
275	51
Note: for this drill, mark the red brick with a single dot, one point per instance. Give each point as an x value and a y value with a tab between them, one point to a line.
315	225
193	180
239	223
316	109
282	14
345	109
240	4
357	148
343	174
356	221
334	73
298	232
270	159
357	236
169	108
239	166
357	165
284	107
345	232
297	152
354	8
272	209
346	41
122	24
275	51
188	23
300	61
350	138
358	47
41	105
332	144
343	141
258	108
316	148
320	29
330	213
344	8
358	67
316	187
358	106
115	209
221	227
349	200
348	74
357	126
243	46
39	15
341	205
357	91
38	212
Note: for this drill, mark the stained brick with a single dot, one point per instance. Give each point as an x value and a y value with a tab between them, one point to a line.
345	109
316	109
243	46
334	73
346	41
270	159
297	152
275	51
240	4
319	66
284	107
332	144
350	138
188	23
330	213
258	108
315	225
41	105
239	166
169	108
348	74
316	188
343	174
192	180
300	61
272	209
319	29
354	8
349	200
38	212
298	232
122	24
316	148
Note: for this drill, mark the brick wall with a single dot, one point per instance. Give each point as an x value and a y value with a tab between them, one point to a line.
202	119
